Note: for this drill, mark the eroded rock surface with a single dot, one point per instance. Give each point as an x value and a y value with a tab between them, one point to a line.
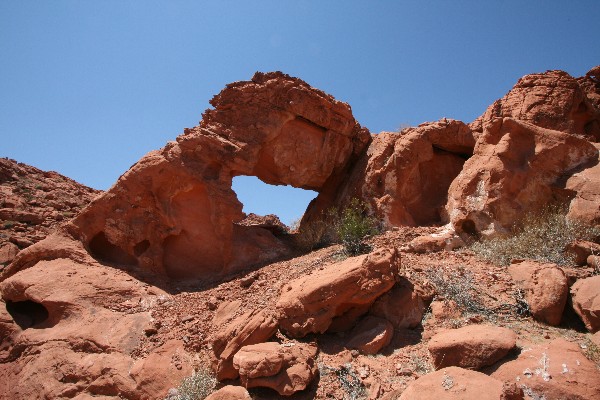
338	293
586	301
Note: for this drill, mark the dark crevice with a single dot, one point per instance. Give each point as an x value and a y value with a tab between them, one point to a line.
27	314
464	155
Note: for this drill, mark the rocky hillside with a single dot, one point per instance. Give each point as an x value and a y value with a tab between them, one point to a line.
163	288
33	203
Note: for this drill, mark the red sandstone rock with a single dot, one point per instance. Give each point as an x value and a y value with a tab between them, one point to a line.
552	100
230	392
586	301
555	370
515	169
582	249
311	303
455	383
404	177
443	240
370	335
596	338
404	305
286	368
250	328
472	347
585	187
71	329
174	212
546	289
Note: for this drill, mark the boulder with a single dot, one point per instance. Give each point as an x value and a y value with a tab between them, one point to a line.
252	327
230	392
553	100
584	186
403	306
404	176
286	368
454	383
8	252
174	212
545	288
516	168
472	347
443	240
71	329
339	291
370	335
596	338
586	301
555	370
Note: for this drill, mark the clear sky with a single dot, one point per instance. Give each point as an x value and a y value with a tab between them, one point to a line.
88	87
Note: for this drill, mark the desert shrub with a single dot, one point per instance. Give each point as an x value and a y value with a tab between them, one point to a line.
353	225
542	236
348	379
195	387
458	285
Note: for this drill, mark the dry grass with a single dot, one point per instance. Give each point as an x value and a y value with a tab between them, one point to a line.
542	236
196	387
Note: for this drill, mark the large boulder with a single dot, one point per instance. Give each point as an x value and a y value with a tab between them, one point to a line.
472	347
584	186
251	327
586	301
555	370
337	293
516	168
404	176
553	100
545	288
286	368
69	330
454	383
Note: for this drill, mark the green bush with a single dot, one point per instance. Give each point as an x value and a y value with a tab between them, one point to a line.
353	225
542	236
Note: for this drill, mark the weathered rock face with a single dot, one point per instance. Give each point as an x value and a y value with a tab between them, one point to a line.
338	294
370	335
286	368
471	347
557	370
68	330
545	288
404	177
455	383
230	392
32	203
404	305
516	168
586	301
174	212
585	187
553	100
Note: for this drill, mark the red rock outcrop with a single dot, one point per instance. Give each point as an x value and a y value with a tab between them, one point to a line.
33	203
586	301
337	294
545	287
584	187
370	335
404	177
230	392
516	168
454	383
286	368
472	347
403	306
556	370
553	100
71	331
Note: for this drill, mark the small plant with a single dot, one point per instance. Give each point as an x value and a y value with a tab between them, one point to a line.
9	224
349	380
458	286
542	236
522	306
420	364
353	225
591	351
195	387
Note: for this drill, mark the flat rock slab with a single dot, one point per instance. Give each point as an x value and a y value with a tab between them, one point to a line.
472	347
454	383
311	303
554	370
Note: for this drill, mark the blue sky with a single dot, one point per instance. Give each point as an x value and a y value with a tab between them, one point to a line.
88	87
